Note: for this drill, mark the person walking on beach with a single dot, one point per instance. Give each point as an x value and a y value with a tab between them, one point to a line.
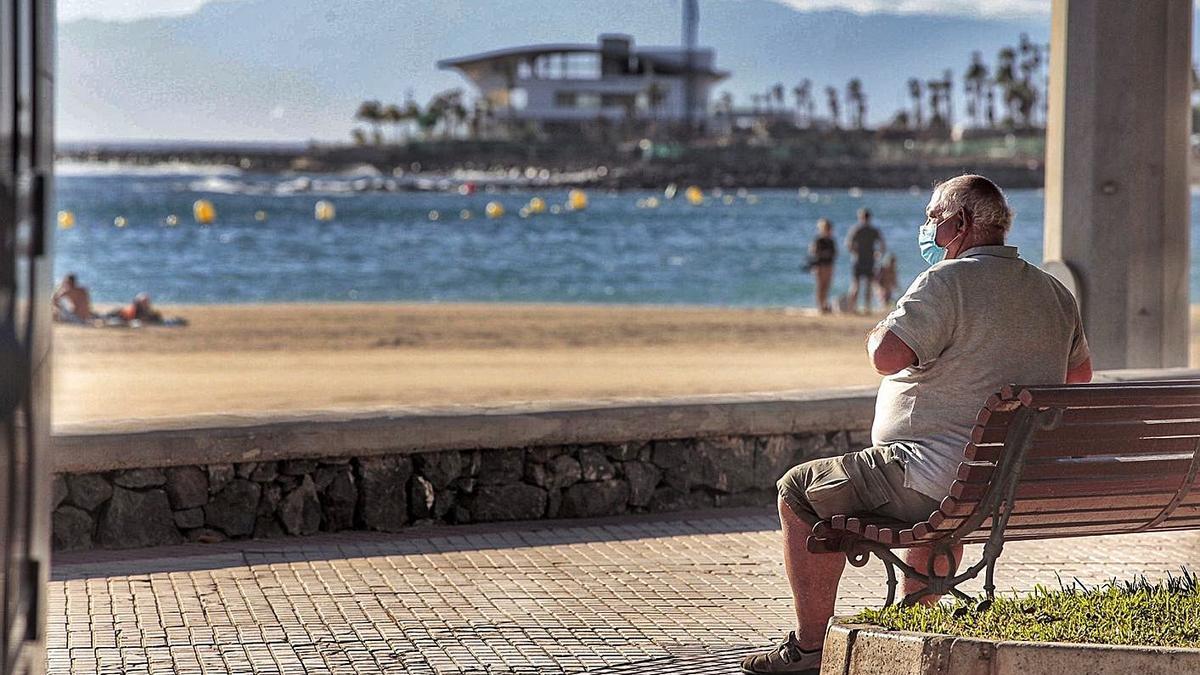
821	254
865	243
78	302
978	318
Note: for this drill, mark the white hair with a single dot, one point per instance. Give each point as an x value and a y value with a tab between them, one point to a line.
982	199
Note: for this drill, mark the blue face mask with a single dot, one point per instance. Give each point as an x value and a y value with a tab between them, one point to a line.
927	238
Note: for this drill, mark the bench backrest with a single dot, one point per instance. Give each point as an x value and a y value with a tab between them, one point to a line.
1100	459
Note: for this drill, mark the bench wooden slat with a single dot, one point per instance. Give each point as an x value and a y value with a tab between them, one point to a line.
953	508
1061	397
1143	446
1092	468
1116	431
1080	488
1114	516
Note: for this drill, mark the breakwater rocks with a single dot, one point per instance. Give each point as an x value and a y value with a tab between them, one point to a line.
444	165
215	502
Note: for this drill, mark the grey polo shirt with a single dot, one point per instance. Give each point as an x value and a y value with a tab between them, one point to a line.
976	323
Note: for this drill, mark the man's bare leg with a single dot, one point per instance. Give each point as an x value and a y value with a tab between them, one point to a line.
853	294
919	559
813	577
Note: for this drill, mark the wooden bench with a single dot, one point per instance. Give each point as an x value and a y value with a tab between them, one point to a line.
1046	462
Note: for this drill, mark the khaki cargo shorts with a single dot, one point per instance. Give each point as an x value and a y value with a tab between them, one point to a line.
869	481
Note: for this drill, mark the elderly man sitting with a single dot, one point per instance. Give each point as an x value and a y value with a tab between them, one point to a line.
978	318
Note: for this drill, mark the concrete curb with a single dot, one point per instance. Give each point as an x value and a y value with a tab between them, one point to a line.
860	649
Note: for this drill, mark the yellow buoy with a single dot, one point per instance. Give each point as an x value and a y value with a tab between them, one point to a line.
324	211
494	209
465	214
260	216
577	200
537	205
652	202
694	195
66	220
120	221
171	220
434	215
204	212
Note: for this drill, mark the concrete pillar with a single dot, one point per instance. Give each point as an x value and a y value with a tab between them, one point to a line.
1117	200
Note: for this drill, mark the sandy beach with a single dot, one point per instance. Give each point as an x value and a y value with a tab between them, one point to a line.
256	358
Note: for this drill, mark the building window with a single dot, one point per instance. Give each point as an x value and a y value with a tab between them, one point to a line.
587	101
564	99
518	98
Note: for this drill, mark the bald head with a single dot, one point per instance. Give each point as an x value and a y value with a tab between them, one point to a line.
988	214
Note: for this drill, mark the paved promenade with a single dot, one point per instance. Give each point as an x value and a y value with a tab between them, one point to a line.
683	594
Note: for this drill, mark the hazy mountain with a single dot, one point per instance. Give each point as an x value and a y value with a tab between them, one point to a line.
297	69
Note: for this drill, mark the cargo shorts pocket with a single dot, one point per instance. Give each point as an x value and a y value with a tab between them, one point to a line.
831	492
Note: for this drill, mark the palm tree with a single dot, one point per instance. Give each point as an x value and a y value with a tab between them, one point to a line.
393	115
856	98
1006	78
914	91
948	95
1031	65
831	95
934	89
974	82
371	112
777	94
803	94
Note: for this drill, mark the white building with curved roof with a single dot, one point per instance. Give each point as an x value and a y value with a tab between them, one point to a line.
612	79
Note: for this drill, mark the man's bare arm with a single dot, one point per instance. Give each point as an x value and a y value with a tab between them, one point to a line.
889	355
1080	373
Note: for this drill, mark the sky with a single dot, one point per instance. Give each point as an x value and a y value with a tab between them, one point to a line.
126	10
179	70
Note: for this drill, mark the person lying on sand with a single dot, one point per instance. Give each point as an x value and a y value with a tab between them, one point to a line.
139	310
71	302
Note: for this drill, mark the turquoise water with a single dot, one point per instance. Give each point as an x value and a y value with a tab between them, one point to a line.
382	246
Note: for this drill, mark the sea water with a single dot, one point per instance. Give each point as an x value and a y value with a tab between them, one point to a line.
740	248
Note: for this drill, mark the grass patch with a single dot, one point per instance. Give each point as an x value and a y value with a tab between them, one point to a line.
1163	614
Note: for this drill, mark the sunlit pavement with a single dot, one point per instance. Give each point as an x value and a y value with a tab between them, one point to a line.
687	593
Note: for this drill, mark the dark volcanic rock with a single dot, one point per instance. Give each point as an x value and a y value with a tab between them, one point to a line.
383	492
88	490
300	510
339	498
135	519
439	468
72	529
421	498
219	476
500	467
140	478
233	509
508	502
602	498
265	472
643	478
189	519
593	465
58	491
187	487
298	467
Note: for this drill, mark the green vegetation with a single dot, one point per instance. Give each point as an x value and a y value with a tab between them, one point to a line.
1164	614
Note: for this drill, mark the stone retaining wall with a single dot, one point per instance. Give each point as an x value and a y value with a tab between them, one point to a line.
142	483
146	484
213	502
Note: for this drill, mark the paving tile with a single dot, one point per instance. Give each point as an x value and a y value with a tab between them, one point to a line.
683	594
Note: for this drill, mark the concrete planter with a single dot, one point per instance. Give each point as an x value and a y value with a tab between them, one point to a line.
859	649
